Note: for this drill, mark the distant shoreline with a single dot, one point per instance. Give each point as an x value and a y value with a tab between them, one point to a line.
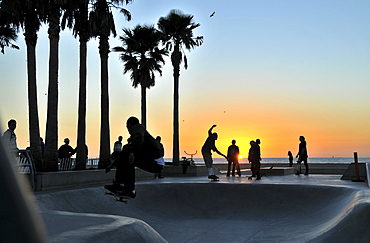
312	160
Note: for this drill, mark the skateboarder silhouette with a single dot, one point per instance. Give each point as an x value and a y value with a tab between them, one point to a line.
141	151
209	145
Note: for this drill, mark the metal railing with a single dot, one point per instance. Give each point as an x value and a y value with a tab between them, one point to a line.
26	165
70	163
66	164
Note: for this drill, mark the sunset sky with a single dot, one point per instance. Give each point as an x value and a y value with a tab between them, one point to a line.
267	69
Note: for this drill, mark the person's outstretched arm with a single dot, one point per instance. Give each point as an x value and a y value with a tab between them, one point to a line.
210	130
216	150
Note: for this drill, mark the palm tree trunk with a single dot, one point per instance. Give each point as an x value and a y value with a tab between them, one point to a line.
176	57
104	154
143	104
81	133
51	142
33	114
81	129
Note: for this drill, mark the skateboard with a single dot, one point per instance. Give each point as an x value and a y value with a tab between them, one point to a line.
251	178
262	174
215	179
118	197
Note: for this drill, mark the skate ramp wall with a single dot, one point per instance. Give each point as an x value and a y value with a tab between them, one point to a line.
198	212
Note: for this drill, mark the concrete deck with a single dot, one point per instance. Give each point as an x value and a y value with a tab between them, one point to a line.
61	180
290	208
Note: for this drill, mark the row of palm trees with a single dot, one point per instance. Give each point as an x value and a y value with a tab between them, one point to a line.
141	54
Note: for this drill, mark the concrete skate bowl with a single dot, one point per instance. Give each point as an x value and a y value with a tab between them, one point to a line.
225	212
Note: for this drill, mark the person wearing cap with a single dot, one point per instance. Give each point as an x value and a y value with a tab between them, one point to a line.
66	151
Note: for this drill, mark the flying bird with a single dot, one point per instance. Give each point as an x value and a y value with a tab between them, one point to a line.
212	14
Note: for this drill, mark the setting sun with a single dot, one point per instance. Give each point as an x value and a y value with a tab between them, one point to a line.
240	156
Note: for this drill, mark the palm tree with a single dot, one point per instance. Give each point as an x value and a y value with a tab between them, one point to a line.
142	58
7	35
177	30
76	17
29	15
51	141
102	25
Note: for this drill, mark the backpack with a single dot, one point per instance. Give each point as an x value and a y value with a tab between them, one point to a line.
153	148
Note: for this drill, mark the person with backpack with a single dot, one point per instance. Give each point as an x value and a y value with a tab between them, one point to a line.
141	151
160	160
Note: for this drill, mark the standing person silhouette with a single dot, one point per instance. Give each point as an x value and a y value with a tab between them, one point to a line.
302	155
254	158
160	160
250	157
66	151
290	155
210	144
233	158
117	147
10	139
118	144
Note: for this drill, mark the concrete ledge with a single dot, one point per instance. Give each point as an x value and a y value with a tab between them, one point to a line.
70	179
350	173
80	178
318	168
48	181
83	178
278	171
178	171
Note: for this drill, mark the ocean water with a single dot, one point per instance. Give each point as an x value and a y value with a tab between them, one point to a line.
323	160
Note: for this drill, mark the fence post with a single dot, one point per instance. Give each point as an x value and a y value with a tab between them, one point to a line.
356	166
358	178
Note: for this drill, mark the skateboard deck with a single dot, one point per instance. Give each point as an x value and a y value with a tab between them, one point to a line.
262	174
251	178
118	197
214	179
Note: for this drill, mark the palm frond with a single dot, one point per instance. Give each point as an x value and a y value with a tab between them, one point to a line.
7	35
141	55
177	30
